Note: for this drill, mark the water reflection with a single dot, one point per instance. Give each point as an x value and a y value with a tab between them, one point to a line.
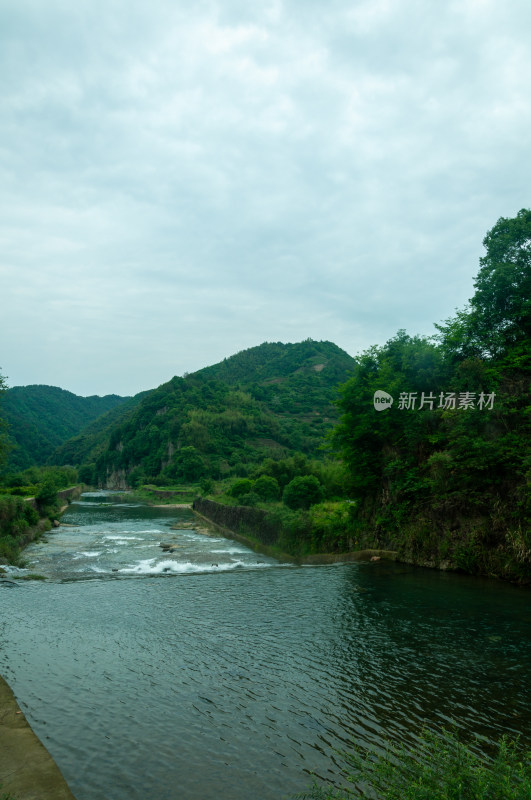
241	682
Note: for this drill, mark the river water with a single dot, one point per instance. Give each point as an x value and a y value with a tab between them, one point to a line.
209	672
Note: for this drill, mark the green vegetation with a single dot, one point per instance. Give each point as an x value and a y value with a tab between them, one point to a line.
241	488
440	483
442	476
302	492
312	516
40	418
438	767
322	528
269	401
20	518
16	517
267	488
84	449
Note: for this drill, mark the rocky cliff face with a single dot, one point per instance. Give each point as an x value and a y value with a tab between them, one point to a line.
116	479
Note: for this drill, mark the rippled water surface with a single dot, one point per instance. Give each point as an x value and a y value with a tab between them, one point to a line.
208	671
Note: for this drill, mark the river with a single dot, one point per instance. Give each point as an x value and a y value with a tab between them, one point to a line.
210	672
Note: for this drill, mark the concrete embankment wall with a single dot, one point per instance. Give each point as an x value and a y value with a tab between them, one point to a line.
27	770
63	496
70	494
239	519
254	527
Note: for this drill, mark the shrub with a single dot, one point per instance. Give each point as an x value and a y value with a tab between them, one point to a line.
87	474
9	549
47	495
438	767
267	487
302	492
243	486
249	499
330	527
30	514
135	478
206	485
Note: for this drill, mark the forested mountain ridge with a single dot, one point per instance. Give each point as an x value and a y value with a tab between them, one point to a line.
273	399
275	360
87	445
40	418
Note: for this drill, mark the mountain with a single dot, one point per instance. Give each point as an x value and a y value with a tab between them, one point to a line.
41	418
92	441
270	400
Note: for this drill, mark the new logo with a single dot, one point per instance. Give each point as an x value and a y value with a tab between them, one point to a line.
382	400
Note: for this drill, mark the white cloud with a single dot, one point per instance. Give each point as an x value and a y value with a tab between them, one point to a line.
180	182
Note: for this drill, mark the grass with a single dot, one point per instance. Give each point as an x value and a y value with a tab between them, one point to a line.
439	767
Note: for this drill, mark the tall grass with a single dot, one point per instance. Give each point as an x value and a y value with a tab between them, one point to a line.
439	767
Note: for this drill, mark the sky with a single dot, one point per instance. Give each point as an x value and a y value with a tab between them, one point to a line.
181	181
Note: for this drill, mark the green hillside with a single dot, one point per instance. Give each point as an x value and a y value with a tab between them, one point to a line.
92	441
274	399
439	474
41	418
273	360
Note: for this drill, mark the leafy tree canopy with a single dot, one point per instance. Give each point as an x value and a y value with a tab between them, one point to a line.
438	464
499	314
267	488
303	492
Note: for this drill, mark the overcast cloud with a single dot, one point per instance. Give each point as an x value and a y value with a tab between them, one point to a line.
180	181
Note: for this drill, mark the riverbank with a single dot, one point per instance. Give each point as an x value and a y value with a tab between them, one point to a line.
22	521
27	770
208	514
322	536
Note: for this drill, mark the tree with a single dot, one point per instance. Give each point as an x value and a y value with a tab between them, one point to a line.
302	492
241	487
187	465
416	468
501	306
267	487
47	496
371	443
499	314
